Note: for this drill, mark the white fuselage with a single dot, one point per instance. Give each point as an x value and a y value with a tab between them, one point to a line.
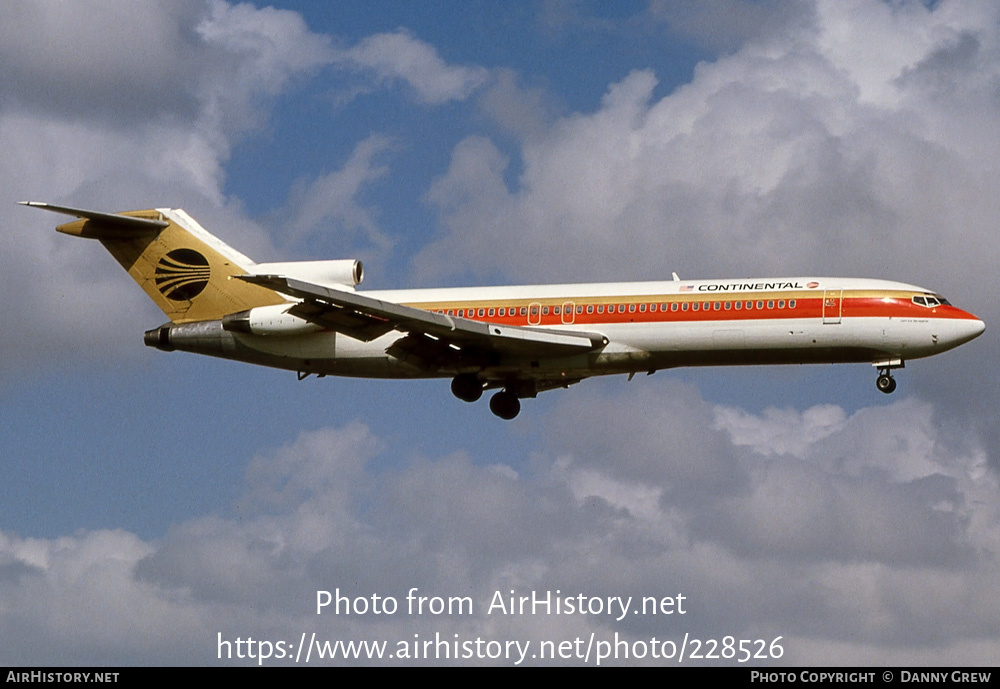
648	326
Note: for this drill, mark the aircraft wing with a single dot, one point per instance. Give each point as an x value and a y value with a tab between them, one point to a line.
431	337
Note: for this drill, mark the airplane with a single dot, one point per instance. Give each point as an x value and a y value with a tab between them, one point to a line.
308	317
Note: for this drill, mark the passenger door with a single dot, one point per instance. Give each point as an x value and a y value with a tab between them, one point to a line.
832	306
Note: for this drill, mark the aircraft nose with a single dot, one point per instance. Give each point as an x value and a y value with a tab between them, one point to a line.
968	329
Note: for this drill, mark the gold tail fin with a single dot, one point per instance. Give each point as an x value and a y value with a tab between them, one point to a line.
185	270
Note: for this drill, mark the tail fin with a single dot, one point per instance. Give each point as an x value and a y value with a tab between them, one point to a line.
185	270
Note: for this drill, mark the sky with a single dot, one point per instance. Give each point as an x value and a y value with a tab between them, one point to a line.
156	505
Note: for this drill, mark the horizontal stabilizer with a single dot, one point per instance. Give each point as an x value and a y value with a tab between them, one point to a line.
116	222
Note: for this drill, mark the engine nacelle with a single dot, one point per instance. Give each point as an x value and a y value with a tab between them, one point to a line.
268	320
337	273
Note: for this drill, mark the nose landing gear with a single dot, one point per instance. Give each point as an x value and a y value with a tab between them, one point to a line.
885	382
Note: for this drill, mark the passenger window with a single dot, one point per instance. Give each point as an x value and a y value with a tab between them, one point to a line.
642	308
600	308
717	306
673	307
631	308
791	304
694	306
492	312
684	306
781	303
590	308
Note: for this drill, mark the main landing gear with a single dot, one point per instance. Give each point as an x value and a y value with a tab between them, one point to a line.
469	388
505	405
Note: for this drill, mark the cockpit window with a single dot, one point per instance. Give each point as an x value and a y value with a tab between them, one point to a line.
930	300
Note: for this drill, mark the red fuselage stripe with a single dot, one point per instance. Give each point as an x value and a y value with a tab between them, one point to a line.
632	309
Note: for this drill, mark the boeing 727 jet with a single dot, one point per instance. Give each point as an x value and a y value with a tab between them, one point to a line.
308	317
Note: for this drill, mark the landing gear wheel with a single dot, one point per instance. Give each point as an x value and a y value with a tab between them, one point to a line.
467	387
505	405
885	383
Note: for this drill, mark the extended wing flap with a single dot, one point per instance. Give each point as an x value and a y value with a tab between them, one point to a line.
359	325
330	307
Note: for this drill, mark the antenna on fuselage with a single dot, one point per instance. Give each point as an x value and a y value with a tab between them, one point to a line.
676	279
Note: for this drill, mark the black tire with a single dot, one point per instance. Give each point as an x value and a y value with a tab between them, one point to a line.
505	405
886	383
467	387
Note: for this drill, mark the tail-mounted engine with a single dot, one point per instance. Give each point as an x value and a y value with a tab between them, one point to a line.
268	320
337	273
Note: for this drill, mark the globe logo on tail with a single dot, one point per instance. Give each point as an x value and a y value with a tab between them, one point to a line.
182	274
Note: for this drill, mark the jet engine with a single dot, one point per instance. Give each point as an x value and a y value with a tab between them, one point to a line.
336	273
268	320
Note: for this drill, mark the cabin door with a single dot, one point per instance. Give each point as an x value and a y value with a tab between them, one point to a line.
832	306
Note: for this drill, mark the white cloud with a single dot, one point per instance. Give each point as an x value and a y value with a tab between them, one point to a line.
825	549
726	25
253	53
526	111
401	56
100	58
781	431
119	107
823	149
333	199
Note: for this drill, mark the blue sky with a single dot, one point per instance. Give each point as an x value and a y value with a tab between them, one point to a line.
161	499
